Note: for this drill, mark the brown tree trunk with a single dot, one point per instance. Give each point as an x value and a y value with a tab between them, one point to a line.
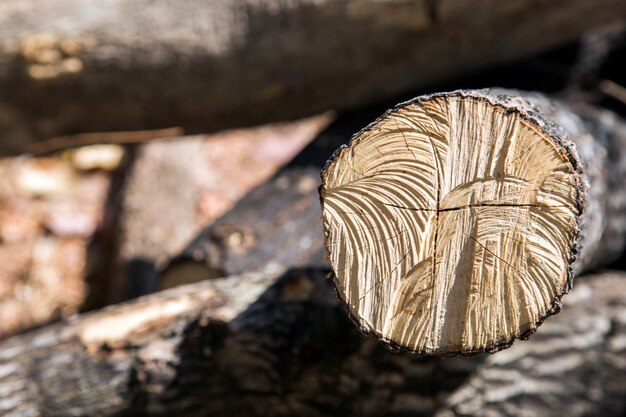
278	224
75	66
271	345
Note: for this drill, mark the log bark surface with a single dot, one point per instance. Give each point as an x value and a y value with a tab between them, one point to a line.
568	367
267	344
276	225
77	66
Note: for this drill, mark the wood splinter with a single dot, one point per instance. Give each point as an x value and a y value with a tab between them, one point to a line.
453	222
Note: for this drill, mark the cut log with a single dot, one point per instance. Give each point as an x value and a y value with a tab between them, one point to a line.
452	222
260	345
77	66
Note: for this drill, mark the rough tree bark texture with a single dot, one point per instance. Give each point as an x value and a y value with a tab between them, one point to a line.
580	348
271	345
452	221
73	66
600	139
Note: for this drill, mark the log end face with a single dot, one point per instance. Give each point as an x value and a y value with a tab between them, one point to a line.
451	224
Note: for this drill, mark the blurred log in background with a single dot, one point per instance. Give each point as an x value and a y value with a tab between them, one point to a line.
75	66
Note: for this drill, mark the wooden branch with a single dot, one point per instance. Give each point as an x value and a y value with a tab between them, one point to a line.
269	345
453	221
78	66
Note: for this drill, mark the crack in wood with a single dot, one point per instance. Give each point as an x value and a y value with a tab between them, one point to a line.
438	162
441	210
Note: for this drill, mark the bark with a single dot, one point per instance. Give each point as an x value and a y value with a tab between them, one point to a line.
546	207
275	225
571	367
91	365
270	345
77	66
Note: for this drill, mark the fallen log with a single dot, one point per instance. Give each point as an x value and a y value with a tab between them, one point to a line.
453	222
76	66
92	365
267	344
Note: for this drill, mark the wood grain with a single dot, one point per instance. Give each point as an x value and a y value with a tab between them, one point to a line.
452	223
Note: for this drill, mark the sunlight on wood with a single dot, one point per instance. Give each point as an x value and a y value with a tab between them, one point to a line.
449	224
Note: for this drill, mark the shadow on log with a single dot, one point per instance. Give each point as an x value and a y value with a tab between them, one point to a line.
269	344
258	344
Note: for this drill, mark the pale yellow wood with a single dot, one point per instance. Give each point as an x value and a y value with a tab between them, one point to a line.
449	224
